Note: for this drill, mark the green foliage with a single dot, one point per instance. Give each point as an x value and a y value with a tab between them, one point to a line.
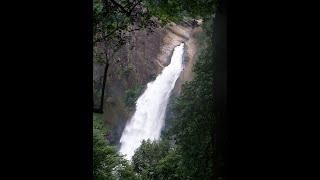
104	157
176	10
205	35
100	61
124	170
165	10
131	96
99	124
190	154
156	160
193	121
113	18
107	163
169	167
186	150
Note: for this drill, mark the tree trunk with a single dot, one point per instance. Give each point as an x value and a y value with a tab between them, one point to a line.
100	109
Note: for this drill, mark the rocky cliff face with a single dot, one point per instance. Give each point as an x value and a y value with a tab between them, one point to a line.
139	63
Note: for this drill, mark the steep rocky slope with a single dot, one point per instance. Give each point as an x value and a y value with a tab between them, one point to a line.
137	64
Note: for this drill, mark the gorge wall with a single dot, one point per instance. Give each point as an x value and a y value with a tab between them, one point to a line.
138	63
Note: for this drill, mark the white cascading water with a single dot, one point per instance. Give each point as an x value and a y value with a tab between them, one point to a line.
148	119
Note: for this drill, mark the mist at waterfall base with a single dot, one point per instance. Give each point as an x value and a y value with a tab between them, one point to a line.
148	119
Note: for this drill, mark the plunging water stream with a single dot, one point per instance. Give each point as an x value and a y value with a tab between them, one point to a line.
148	119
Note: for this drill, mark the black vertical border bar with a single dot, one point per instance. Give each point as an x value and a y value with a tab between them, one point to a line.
220	88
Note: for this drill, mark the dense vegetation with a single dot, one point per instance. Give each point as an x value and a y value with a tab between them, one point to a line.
193	121
132	95
186	149
107	163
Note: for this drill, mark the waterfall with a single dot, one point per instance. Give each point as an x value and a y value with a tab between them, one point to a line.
148	119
